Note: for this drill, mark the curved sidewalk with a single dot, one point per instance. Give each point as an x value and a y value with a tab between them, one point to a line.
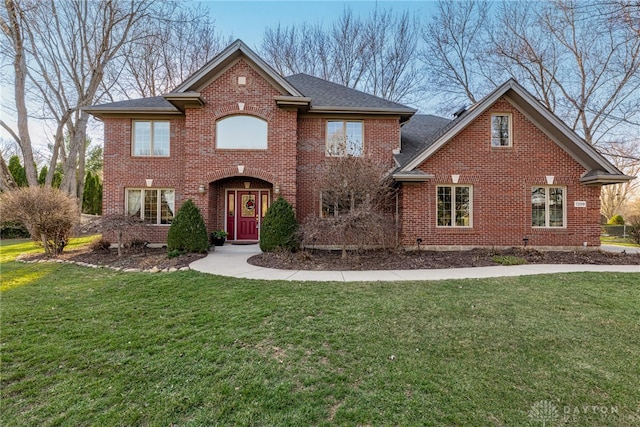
231	260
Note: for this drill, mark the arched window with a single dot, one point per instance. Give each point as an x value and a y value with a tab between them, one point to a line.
241	132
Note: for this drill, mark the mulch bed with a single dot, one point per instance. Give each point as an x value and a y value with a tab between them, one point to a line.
136	259
412	260
332	260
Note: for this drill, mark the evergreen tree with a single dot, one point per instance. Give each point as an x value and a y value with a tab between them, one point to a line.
43	175
57	178
88	197
188	232
17	172
279	227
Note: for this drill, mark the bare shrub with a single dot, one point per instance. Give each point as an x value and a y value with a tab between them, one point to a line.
100	245
357	196
126	228
48	214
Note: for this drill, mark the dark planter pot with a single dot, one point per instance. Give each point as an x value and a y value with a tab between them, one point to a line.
217	241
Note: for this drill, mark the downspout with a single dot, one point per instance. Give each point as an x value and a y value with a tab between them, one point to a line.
397	218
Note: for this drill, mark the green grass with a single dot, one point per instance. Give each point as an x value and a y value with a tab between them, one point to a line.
81	346
615	240
509	260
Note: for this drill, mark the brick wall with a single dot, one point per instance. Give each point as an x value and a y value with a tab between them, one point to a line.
502	179
381	136
194	158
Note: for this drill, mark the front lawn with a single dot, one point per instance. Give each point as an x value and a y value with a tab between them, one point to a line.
82	346
618	240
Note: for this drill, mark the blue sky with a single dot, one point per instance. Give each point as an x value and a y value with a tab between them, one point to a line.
247	20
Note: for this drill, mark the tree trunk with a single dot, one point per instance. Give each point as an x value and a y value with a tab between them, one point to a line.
13	31
7	183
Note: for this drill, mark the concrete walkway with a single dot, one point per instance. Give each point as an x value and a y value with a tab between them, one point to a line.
231	260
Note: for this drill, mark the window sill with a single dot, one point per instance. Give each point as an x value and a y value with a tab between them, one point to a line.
454	229
150	157
242	149
549	228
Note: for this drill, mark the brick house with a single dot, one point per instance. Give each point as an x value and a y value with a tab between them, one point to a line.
235	135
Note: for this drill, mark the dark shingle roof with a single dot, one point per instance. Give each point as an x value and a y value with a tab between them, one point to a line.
154	103
324	93
418	133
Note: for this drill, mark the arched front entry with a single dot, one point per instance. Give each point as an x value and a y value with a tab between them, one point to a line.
238	205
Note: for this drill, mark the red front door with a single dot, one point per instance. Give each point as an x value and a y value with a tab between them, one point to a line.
247	214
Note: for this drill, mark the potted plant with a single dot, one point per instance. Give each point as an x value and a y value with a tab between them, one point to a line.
218	237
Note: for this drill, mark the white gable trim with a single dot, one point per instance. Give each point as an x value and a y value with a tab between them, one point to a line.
199	79
584	153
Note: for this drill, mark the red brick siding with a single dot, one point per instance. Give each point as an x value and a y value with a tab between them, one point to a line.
502	179
194	159
381	137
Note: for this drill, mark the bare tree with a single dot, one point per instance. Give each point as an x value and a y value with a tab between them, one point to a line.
71	44
356	195
390	53
453	42
7	182
626	157
11	25
180	40
376	54
69	54
578	58
125	228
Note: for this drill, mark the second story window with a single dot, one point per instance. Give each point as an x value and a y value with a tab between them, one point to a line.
344	138
501	130
242	132
150	138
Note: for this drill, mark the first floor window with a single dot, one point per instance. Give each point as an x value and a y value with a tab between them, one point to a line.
344	138
548	206
150	138
336	204
454	205
152	205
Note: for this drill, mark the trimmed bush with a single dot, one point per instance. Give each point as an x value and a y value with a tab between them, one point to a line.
616	220
279	228
633	229
188	232
48	214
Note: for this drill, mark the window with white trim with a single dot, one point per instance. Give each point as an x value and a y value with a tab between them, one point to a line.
501	130
454	205
242	132
344	138
548	207
150	138
152	205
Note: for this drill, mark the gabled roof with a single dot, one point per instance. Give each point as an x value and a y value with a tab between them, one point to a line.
599	169
302	91
331	97
417	133
228	57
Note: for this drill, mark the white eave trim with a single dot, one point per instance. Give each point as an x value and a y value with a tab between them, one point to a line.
502	90
224	56
605	179
412	177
